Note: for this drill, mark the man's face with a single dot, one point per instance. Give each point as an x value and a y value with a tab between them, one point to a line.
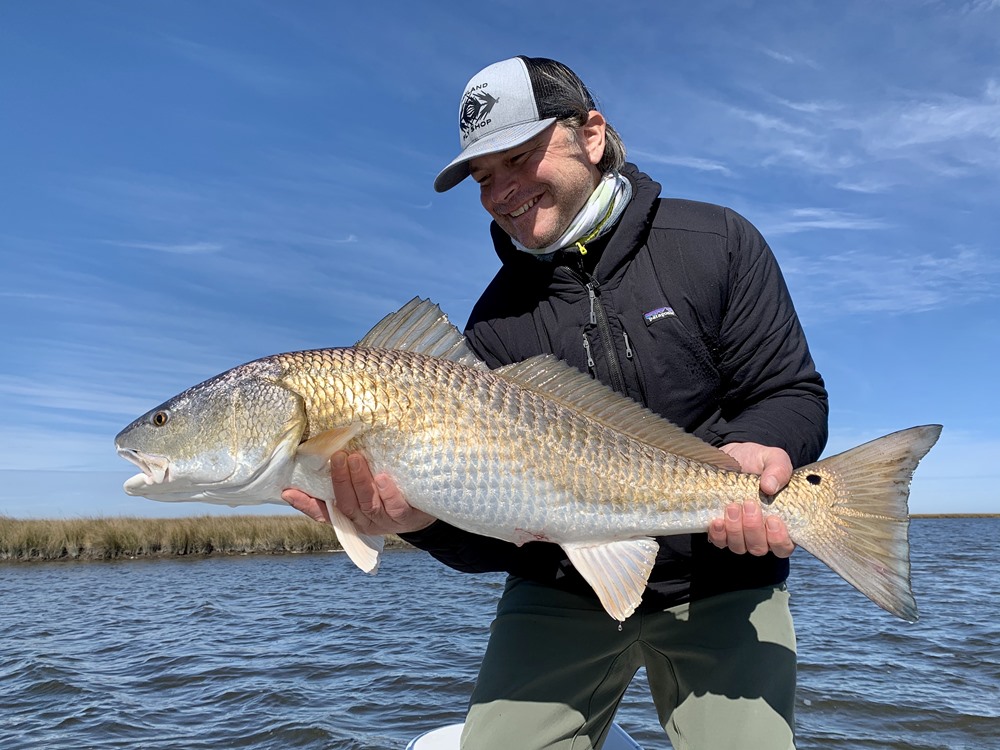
534	190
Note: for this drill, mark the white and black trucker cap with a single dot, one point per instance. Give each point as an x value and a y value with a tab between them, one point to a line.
506	104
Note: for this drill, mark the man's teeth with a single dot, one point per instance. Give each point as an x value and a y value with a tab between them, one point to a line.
517	212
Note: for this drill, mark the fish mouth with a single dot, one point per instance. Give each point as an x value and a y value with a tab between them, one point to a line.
155	470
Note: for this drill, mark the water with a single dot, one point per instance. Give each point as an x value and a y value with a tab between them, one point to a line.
304	651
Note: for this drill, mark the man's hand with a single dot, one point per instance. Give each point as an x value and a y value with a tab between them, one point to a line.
744	528
374	504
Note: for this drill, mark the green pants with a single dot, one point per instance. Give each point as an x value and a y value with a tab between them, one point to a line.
721	671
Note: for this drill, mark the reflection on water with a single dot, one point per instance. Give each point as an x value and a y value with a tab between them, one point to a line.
304	651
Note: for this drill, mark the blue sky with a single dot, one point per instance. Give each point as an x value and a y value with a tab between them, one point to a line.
191	185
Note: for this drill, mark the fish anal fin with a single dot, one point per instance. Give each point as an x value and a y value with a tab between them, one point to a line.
554	379
364	550
617	571
316	451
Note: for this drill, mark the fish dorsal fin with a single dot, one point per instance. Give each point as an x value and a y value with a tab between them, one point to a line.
420	326
549	376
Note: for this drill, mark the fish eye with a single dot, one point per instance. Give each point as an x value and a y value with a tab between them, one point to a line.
160	418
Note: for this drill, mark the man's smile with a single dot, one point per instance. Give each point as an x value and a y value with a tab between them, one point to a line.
518	211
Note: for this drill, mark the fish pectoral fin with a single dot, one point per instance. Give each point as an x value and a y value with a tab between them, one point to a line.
617	571
364	550
316	451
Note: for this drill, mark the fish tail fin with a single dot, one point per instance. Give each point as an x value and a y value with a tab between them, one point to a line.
863	531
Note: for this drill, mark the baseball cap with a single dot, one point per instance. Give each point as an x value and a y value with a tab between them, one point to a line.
506	104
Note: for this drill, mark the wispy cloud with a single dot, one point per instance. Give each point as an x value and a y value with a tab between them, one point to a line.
869	185
942	133
809	219
810	107
69	396
687	162
771	123
946	133
183	248
29	295
245	69
982	6
862	281
789	58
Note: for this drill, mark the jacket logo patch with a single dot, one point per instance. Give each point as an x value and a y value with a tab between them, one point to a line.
658	314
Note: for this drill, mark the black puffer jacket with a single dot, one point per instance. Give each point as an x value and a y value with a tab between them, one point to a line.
683	308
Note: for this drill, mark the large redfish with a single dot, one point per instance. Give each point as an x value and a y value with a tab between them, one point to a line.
532	451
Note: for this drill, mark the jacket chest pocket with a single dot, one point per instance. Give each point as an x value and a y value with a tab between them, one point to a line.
610	356
674	366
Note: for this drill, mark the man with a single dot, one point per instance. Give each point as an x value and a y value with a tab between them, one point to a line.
681	306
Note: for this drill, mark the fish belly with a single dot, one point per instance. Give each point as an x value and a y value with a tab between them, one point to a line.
518	497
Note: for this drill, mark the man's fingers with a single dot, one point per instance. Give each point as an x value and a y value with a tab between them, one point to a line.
375	505
776	475
364	485
777	537
393	503
745	529
315	509
343	487
734	529
772	464
717	532
754	534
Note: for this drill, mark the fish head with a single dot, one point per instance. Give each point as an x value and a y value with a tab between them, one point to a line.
228	440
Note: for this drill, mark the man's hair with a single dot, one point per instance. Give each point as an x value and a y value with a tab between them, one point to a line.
568	98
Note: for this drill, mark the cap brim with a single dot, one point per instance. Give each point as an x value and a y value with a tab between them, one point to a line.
502	140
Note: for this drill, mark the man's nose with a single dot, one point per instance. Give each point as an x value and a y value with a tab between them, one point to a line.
503	188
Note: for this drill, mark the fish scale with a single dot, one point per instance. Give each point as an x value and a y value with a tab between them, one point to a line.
535	451
420	407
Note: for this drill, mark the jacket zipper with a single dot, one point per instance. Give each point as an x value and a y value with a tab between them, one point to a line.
586	347
599	317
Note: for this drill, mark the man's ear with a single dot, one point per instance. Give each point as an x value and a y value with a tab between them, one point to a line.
592	135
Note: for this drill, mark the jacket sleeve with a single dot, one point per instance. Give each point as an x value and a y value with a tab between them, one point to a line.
772	393
462	550
471	553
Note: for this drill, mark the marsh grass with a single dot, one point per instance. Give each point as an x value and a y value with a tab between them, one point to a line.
129	537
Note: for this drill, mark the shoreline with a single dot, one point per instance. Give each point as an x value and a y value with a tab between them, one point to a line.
132	537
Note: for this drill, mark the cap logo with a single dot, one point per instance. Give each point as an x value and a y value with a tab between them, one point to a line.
476	110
